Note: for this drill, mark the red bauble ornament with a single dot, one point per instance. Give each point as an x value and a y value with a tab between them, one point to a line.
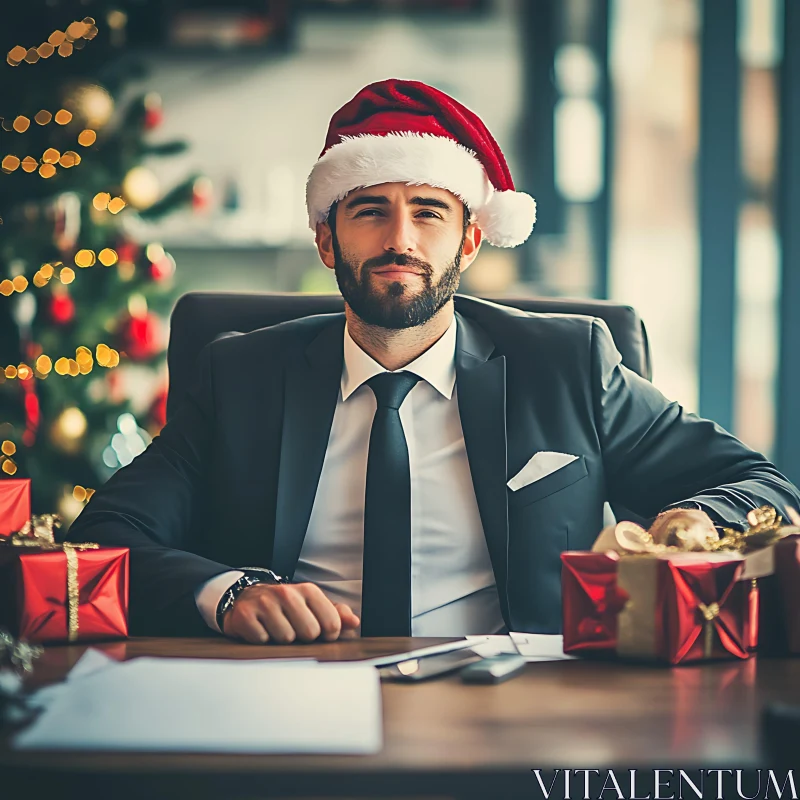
202	193
141	337
127	251
61	309
153	117
153	113
163	269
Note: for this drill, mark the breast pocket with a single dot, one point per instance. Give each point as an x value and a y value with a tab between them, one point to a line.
550	484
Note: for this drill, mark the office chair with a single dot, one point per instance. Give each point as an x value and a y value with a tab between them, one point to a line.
200	317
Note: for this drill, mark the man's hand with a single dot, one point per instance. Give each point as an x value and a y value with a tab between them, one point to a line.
287	612
686	528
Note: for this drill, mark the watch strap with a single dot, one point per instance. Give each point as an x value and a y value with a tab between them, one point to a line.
229	597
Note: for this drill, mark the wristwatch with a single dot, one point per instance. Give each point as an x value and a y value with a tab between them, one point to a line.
252	576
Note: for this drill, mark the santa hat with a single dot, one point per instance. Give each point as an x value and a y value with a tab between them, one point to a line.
408	132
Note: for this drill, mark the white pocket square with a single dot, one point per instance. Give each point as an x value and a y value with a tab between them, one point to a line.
540	465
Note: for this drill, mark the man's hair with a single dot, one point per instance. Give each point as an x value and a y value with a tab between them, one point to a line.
331	220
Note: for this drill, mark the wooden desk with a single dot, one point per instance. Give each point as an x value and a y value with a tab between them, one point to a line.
443	738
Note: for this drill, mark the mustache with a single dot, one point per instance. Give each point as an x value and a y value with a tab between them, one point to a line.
389	259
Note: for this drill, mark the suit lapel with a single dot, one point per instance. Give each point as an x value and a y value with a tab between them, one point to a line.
481	386
310	396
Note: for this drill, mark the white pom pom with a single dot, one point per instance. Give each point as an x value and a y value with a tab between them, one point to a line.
507	219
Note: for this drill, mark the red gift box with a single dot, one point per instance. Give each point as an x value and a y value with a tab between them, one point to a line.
684	608
591	601
778	576
65	592
15	504
787	571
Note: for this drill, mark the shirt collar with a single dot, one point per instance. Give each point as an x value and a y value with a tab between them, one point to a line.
437	365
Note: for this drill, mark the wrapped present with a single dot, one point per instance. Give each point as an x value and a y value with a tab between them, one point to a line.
591	600
762	603
55	592
778	578
684	607
787	573
772	564
15	504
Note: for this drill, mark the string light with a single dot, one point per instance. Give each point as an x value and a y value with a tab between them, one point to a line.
50	157
86	138
83	259
81	364
81	494
103	201
107	257
8	449
21	123
63	42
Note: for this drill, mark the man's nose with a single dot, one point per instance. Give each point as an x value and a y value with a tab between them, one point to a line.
400	236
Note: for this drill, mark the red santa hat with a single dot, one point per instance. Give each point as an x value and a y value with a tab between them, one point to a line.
408	132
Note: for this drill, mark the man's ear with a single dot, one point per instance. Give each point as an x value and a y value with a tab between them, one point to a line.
324	240
472	244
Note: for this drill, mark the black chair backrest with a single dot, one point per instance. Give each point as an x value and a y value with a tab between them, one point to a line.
200	317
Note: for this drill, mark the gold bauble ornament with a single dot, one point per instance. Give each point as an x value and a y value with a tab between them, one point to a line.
89	103
68	430
141	188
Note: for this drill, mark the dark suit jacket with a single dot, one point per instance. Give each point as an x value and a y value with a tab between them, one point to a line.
231	479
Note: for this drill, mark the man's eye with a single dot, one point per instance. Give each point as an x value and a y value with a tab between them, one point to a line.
429	215
368	212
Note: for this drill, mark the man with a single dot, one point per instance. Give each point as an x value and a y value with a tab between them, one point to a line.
379	459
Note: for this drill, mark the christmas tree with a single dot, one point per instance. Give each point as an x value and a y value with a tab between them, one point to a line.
82	305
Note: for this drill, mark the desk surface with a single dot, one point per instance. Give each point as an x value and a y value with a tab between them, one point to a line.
443	737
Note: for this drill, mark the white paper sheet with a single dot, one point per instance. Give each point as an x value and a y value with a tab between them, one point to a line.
447	647
488	646
540	646
533	646
199	705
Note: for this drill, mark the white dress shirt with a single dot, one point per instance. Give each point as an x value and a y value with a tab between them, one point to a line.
453	590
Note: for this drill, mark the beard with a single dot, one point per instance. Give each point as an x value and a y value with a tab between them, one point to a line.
396	306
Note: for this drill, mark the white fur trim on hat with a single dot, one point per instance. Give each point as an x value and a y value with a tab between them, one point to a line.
506	218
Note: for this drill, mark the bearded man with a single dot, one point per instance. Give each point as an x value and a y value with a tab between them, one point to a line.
417	464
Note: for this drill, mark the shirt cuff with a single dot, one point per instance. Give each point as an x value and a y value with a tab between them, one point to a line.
210	593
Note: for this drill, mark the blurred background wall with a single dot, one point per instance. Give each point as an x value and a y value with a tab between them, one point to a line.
659	137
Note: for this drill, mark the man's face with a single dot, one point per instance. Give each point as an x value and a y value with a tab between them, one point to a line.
398	251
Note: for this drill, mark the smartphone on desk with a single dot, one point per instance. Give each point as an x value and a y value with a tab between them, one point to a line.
420	669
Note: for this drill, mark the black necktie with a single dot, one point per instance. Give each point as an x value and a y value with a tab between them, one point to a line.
386	588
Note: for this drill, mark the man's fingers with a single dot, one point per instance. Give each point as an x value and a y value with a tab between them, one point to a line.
300	616
271	615
244	625
349	619
286	613
326	614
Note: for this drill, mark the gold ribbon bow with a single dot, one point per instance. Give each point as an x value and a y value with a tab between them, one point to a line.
766	528
710	613
39	532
